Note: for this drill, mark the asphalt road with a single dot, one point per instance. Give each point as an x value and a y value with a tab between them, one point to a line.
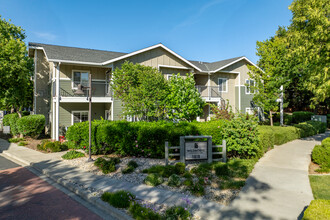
23	195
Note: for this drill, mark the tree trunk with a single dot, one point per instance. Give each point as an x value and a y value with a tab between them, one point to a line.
271	118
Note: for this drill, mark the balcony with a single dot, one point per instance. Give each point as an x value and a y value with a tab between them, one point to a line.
209	91
101	92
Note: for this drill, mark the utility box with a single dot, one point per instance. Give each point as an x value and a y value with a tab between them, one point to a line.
321	118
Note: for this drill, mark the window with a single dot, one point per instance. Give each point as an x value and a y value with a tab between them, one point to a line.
250	111
80	77
250	84
79	116
223	84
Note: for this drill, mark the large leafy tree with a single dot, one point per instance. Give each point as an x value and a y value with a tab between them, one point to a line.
297	57
142	90
183	102
15	68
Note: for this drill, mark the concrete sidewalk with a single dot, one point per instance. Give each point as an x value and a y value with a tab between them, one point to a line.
278	187
85	183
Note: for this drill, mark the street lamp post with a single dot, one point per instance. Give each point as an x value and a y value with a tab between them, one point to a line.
81	92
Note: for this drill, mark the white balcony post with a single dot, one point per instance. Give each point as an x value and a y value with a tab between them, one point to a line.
57	119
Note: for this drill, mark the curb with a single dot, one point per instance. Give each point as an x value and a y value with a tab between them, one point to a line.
88	197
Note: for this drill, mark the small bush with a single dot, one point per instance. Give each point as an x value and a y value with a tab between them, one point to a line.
142	213
188	182
15	140
318	209
119	199
128	169
202	170
180	168
174	180
197	188
267	138
106	166
31	125
153	179
301	116
23	143
177	213
231	184
72	155
49	146
321	155
11	120
132	163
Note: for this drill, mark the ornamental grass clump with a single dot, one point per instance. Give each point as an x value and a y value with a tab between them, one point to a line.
106	165
140	212
177	213
72	155
131	166
153	179
119	199
174	180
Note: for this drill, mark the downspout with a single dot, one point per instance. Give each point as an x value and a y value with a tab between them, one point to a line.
35	83
57	101
54	103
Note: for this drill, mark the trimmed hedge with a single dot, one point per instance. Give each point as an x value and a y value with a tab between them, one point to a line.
31	125
321	155
11	120
147	138
301	116
310	128
328	120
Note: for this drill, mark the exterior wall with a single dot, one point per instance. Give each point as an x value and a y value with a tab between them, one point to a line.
245	99
230	94
117	109
98	111
42	87
97	73
153	58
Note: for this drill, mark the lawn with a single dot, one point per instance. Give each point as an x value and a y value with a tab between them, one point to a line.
320	186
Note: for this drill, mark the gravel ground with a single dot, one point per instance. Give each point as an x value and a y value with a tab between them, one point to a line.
212	192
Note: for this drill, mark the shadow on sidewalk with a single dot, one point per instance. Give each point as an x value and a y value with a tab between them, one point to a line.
318	137
4	145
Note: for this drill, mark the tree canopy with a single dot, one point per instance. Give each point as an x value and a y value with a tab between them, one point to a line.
146	94
15	68
297	57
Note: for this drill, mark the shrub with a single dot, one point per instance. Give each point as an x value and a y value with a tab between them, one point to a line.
174	180
177	213
231	184
23	143
301	116
128	169
15	140
72	155
281	134
328	120
31	125
106	166
119	199
197	188
321	155
49	146
266	137
188	182
202	170
142	213
132	163
11	120
180	168
153	179
287	119
319	126
317	209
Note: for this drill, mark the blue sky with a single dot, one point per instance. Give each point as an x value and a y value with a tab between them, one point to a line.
196	29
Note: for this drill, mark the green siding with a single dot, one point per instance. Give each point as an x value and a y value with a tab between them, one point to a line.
245	99
236	99
117	109
98	111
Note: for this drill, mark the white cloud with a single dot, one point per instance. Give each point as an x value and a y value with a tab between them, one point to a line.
45	35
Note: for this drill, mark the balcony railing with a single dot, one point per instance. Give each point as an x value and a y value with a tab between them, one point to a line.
99	89
209	91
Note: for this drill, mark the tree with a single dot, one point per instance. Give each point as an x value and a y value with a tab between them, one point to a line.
183	102
297	57
15	68
142	90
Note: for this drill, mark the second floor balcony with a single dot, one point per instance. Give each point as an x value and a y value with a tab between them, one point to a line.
210	91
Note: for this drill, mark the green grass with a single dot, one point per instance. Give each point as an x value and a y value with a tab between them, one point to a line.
320	186
72	155
15	140
23	143
318	209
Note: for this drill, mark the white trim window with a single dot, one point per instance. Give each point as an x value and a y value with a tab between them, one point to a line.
249	110
223	84
79	77
249	86
79	116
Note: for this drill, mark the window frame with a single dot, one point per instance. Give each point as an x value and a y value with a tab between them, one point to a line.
72	115
223	78
80	71
248	88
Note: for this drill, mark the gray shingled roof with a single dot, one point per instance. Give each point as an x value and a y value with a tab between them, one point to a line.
55	52
77	54
206	66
